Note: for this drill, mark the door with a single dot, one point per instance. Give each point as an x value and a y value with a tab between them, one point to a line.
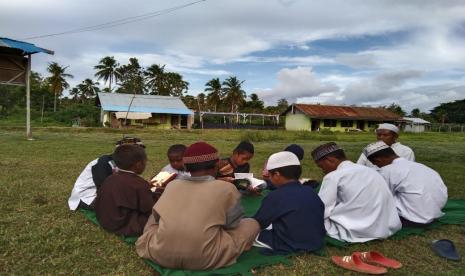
315	125
361	125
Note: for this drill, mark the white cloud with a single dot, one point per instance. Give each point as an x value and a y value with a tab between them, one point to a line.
296	83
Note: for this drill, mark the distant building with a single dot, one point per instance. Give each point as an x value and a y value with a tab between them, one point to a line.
414	124
162	112
316	117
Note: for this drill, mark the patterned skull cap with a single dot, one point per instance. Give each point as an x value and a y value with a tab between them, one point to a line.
374	147
323	150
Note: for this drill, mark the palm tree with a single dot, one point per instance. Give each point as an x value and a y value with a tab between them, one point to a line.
155	76
176	85
201	101
57	80
107	70
234	95
88	89
75	93
214	97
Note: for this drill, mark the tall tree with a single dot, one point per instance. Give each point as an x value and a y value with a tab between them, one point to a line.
176	85
75	93
57	80
282	105
131	78
255	104
396	109
88	89
156	81
451	112
201	101
107	70
216	94
415	112
234	95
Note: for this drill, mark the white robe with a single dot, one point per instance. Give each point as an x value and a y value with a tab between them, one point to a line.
84	188
398	148
358	204
168	168
419	192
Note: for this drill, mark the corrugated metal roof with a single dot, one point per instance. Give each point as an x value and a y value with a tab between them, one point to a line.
24	47
419	121
346	112
143	103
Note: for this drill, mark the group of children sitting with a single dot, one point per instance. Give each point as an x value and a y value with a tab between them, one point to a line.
198	223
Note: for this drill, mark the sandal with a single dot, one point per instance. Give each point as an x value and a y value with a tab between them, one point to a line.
378	258
355	263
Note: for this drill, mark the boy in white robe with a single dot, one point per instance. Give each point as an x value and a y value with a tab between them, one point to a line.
419	192
358	205
176	165
388	133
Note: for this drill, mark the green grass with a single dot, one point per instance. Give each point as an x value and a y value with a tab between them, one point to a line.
39	235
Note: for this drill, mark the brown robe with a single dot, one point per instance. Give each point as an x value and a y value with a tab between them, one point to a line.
196	224
124	203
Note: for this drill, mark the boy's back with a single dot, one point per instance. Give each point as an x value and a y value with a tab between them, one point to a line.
296	214
124	203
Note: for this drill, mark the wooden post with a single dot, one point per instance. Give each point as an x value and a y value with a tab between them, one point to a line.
43	106
28	99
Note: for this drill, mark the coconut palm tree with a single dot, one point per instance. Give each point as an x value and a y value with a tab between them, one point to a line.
107	70
214	97
177	87
57	80
155	77
234	95
88	89
75	93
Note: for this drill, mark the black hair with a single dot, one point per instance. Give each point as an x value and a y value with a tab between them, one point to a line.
207	165
243	147
289	172
177	149
338	154
127	155
387	152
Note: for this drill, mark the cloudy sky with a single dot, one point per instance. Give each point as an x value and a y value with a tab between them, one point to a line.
332	51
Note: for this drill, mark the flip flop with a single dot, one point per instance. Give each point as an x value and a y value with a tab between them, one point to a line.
354	263
375	257
446	249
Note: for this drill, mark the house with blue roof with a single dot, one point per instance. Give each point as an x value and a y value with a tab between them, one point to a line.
129	110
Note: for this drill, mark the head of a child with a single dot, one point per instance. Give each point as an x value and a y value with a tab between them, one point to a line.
131	158
242	153
297	150
328	157
175	155
201	159
283	168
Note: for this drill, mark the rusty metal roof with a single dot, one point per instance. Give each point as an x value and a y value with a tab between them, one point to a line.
345	112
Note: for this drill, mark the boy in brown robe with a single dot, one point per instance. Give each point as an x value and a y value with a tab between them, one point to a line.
197	224
124	202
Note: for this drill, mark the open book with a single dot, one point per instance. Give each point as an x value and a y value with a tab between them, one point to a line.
161	180
255	183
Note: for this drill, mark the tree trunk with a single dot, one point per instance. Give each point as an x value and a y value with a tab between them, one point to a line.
55	102
109	84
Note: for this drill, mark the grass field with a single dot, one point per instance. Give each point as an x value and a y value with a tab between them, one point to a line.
39	235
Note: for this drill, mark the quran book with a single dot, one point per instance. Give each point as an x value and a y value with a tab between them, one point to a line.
162	178
255	183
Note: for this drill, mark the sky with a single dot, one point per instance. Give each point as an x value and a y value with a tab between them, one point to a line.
330	52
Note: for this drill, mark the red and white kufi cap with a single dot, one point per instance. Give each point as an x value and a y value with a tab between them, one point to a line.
200	152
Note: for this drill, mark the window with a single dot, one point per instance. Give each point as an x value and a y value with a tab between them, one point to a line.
347	123
329	123
372	123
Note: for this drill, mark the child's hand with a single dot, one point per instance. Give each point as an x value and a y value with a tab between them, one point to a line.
253	191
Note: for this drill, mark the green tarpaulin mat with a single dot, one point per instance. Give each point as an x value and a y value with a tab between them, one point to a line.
245	263
454	214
